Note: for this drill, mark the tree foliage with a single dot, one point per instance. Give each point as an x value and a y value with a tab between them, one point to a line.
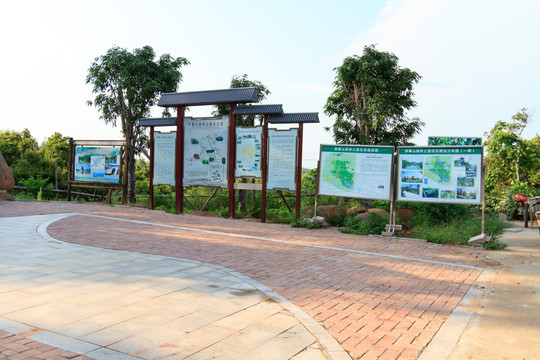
127	84
240	82
512	162
371	95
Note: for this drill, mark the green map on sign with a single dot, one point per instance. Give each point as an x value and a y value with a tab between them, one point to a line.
439	169
339	170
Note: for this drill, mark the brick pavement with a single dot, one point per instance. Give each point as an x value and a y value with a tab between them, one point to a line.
376	307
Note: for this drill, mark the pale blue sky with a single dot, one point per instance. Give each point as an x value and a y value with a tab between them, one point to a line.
478	58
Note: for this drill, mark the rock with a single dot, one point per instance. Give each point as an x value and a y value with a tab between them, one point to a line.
5	196
363	216
502	217
378	211
405	214
7	181
326	211
356	210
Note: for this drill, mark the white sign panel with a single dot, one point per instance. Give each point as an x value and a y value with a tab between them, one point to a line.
440	174
164	158
358	171
282	159
205	151
248	151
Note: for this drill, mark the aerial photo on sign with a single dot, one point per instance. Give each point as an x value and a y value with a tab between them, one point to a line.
248	151
100	164
358	171
445	175
205	151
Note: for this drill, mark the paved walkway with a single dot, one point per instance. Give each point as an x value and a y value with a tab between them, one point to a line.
379	298
123	305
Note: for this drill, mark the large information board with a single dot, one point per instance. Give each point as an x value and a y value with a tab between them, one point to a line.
164	158
282	159
248	151
97	164
440	174
205	151
358	171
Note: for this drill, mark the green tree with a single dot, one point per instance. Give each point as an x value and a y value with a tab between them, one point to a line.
512	162
127	84
240	82
56	149
370	97
14	144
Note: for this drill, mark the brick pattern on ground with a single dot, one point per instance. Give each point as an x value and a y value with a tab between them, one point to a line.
19	347
376	307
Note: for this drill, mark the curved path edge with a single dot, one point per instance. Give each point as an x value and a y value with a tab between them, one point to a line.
330	345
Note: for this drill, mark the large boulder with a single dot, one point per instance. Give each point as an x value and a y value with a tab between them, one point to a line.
356	210
405	214
7	181
363	216
326	211
381	212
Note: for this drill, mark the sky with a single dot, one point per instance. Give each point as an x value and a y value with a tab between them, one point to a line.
478	58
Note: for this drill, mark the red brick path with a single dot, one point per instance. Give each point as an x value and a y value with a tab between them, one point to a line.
376	307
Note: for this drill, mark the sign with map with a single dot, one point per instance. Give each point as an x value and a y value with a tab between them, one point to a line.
282	159
440	174
358	171
164	158
99	164
248	151
205	151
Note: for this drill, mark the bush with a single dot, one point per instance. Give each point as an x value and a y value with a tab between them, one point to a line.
305	223
374	225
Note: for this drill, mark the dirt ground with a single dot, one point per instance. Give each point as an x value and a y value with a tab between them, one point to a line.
506	317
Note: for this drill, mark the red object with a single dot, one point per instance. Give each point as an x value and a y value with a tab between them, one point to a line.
520	199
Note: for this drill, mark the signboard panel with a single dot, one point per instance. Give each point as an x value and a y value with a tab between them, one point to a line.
454	141
206	152
358	171
248	151
98	164
282	159
440	174
164	158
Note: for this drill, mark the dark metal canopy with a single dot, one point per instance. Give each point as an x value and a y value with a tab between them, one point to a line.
167	121
258	110
209	97
294	118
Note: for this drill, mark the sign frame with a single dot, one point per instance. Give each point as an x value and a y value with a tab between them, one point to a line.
157	180
362	149
293	187
417	151
241	173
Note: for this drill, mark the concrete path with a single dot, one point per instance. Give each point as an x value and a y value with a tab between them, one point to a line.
500	316
64	300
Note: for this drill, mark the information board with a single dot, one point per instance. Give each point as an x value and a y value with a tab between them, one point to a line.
100	164
282	159
358	171
248	151
440	174
164	158
206	152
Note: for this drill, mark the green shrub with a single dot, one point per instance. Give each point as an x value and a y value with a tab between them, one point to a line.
374	225
305	223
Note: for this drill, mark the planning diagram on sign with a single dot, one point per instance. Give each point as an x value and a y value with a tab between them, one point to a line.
339	169
205	152
248	152
443	178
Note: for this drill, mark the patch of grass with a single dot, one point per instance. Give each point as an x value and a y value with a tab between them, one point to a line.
305	223
495	245
374	225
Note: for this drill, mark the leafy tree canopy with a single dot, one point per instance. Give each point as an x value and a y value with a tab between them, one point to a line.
371	95
240	82
127	84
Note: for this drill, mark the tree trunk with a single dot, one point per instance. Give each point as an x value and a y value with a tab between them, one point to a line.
130	168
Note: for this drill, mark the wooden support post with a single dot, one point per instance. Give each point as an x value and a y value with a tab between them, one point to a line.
71	158
264	168
299	168
285	200
179	162
209	199
232	161
151	180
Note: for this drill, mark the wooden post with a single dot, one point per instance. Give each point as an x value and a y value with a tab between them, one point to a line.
232	161
179	170
264	168
299	168
71	158
151	181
